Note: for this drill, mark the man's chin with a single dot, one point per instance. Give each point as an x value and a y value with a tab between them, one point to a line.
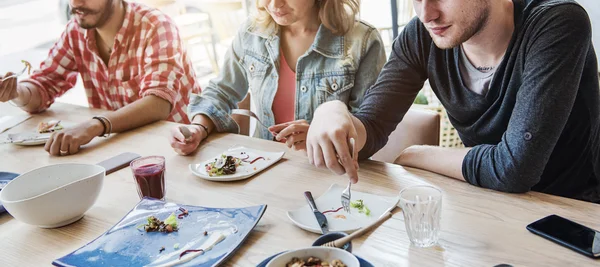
86	25
445	43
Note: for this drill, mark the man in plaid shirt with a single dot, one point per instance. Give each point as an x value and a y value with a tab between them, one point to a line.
131	60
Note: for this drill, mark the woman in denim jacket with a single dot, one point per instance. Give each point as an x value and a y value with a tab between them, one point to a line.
293	56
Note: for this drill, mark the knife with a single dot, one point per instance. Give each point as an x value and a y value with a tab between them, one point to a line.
321	220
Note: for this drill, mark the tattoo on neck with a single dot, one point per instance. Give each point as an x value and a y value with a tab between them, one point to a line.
484	69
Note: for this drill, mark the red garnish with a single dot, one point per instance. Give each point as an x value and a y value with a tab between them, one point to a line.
336	210
184	213
188	251
256	159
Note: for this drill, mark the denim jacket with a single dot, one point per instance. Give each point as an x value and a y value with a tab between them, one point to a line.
333	68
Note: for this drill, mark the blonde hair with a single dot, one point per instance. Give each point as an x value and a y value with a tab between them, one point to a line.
336	15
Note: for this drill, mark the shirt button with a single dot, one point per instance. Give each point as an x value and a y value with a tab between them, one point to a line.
303	89
251	68
527	136
334	86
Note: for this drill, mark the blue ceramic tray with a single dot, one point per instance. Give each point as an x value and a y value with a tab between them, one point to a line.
363	262
5	177
127	245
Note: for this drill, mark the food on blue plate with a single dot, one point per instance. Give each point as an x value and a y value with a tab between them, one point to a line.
183	214
223	165
360	205
314	262
156	225
50	126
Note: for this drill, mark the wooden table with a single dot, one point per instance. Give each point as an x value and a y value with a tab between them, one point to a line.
479	227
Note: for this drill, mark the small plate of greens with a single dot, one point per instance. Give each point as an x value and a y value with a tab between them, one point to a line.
364	208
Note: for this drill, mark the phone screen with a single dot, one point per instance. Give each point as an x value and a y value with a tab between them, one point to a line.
569	233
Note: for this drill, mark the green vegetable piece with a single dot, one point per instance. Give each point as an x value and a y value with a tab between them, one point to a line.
172	221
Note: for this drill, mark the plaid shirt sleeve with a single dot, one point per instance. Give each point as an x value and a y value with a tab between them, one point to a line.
163	63
58	73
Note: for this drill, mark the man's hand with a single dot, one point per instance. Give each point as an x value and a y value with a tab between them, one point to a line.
8	88
69	141
327	140
185	146
293	133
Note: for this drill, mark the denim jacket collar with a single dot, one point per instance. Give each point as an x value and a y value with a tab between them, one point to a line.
326	43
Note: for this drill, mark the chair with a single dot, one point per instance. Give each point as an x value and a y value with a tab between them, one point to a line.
419	127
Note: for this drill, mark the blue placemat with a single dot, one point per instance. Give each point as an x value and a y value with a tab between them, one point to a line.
5	177
363	262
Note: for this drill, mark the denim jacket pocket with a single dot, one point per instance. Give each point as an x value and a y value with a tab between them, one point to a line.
256	71
255	67
335	87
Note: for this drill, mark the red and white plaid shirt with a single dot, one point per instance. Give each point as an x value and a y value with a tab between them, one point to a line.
147	58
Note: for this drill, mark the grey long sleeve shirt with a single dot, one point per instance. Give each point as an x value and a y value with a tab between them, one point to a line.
538	126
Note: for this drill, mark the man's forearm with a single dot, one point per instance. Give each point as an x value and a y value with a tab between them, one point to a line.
139	113
29	98
442	160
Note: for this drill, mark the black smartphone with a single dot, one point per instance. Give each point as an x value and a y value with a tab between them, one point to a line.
569	234
118	162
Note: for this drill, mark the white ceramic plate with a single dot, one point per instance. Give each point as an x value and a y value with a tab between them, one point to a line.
305	219
41	138
245	170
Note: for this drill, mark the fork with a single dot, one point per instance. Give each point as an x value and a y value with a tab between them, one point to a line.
248	113
14	75
346	194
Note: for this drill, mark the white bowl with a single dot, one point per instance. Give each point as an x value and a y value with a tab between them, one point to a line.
323	253
54	195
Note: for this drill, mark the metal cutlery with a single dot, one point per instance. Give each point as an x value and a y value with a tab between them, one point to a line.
347	194
14	75
249	113
321	220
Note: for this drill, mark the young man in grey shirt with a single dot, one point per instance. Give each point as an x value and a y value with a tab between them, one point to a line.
519	80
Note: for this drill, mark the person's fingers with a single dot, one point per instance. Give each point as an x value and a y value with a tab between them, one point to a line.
301	145
64	145
278	127
48	144
6	89
56	144
318	159
13	90
341	145
292	130
331	159
177	135
74	147
309	152
295	138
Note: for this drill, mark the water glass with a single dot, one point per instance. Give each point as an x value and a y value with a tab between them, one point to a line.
422	209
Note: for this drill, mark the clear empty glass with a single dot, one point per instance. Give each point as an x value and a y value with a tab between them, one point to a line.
422	209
